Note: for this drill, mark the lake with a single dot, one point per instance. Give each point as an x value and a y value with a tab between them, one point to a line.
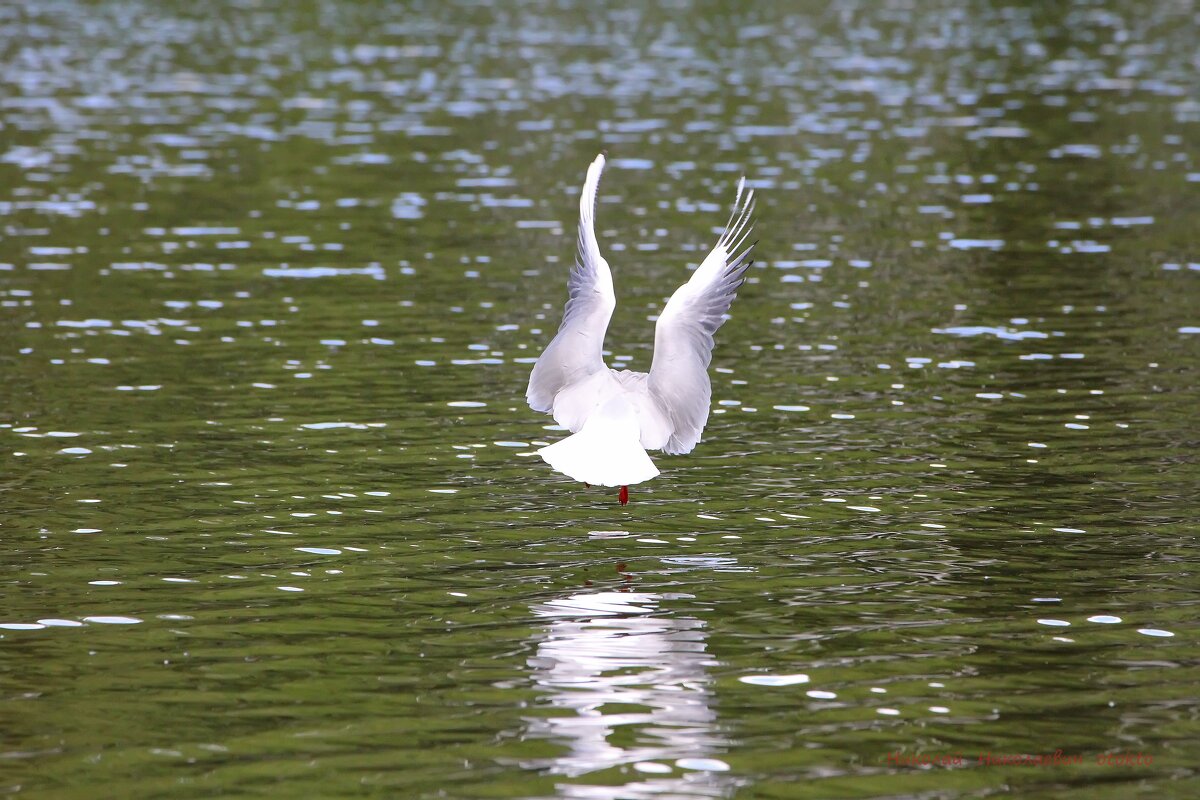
272	279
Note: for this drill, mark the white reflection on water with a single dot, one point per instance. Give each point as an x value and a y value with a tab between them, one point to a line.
615	668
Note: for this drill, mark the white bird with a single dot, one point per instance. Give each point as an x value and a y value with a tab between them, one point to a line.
615	416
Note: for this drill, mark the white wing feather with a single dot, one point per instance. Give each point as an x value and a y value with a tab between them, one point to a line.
576	350
683	337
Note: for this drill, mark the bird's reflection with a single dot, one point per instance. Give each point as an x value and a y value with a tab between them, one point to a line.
626	686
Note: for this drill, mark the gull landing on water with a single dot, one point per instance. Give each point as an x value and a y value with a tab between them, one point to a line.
615	416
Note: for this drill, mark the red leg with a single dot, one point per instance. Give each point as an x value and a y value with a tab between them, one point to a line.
624	495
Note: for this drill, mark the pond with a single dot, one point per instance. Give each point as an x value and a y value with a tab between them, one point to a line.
272	280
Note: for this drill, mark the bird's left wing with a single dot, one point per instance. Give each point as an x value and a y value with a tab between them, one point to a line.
576	350
683	336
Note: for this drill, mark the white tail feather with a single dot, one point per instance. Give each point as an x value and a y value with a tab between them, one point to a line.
606	452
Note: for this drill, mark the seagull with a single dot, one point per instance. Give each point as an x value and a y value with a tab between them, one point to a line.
615	416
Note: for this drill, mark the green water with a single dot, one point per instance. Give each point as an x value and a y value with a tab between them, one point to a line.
272	277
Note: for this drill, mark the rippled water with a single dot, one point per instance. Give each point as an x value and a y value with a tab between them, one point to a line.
271	280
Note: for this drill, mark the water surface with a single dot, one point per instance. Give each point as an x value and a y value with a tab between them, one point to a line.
272	277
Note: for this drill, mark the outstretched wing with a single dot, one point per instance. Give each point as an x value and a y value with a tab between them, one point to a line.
575	351
683	337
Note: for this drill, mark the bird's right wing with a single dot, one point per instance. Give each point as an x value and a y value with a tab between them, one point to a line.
575	351
683	336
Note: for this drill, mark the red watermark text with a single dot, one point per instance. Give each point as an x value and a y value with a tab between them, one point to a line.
989	759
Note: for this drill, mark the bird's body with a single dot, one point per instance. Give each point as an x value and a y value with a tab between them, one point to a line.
615	416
